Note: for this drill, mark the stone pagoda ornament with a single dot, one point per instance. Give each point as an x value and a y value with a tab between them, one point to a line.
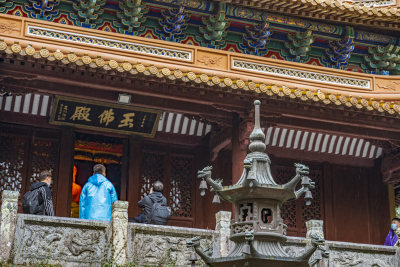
258	230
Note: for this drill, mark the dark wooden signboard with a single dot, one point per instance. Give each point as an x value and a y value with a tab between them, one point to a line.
102	116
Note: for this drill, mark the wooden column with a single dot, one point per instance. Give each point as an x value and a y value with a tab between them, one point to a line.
124	170
64	183
240	141
329	207
134	162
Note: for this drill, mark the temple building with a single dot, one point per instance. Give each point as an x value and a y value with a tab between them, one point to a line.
159	89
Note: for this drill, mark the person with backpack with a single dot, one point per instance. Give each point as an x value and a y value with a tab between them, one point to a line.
97	196
154	206
38	200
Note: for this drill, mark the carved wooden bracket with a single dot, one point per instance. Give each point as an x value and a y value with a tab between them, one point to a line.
390	168
219	141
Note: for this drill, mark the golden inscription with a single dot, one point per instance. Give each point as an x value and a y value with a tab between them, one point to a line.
107	116
127	121
81	114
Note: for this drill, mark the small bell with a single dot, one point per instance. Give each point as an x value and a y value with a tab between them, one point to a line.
308	198
216	199
203	184
203	187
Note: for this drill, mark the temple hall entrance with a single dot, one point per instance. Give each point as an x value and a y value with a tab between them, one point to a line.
93	149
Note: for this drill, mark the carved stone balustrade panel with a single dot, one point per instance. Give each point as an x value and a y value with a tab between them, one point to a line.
343	254
154	245
65	241
361	255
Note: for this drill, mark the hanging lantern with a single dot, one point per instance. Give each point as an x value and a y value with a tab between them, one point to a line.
216	199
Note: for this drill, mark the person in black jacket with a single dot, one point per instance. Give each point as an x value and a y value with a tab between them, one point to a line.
146	203
44	194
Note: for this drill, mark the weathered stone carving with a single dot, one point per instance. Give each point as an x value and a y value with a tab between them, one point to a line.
360	259
63	241
223	227
343	254
315	228
346	259
9	208
119	222
163	246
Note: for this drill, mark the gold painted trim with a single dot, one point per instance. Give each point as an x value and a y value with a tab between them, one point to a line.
106	104
235	84
348	12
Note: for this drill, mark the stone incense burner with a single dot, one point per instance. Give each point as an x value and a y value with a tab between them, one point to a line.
258	230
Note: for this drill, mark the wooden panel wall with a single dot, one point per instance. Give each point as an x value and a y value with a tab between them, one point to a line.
356	205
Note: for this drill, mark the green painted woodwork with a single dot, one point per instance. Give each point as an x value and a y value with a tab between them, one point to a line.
88	12
214	31
298	46
222	26
4	5
131	16
384	59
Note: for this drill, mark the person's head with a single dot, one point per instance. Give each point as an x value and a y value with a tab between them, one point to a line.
99	169
395	223
45	177
158	186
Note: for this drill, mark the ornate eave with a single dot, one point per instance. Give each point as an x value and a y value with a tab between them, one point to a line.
331	10
32	39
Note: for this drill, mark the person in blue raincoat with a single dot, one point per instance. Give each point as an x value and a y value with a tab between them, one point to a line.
97	196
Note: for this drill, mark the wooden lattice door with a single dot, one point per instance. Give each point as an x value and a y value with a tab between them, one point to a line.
24	153
296	213
175	170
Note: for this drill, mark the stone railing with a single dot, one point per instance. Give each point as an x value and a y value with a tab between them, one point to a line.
65	241
343	254
150	245
29	239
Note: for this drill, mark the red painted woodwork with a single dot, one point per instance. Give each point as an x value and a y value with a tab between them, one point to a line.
24	153
356	205
65	172
175	168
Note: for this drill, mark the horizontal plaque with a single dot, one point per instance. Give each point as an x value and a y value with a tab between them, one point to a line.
106	117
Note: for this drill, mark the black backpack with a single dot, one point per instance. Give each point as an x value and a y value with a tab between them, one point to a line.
160	214
31	203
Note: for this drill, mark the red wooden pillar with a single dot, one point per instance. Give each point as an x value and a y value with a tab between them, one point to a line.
64	184
124	170
133	188
240	142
